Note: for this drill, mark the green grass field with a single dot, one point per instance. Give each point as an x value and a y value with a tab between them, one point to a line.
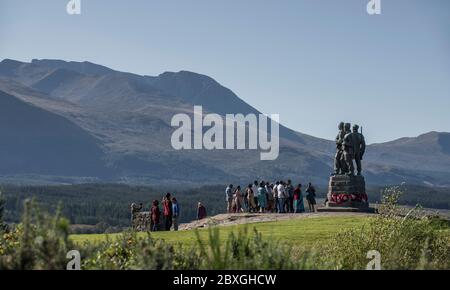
300	233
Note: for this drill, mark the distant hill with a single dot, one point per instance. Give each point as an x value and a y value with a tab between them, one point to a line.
127	117
429	151
35	141
425	158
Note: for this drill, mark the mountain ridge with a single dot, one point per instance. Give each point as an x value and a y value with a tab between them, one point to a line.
130	116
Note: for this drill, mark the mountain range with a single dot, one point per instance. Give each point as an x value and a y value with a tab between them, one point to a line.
79	121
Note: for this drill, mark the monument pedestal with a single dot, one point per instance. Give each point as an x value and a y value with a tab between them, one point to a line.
347	193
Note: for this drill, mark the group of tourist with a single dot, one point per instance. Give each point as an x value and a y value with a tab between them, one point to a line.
262	197
168	217
169	214
259	197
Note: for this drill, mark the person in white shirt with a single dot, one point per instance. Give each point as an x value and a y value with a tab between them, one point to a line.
281	197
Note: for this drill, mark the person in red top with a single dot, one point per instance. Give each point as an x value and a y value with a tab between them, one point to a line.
299	206
167	212
155	215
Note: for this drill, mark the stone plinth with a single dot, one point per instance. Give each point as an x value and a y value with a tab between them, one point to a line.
346	192
141	221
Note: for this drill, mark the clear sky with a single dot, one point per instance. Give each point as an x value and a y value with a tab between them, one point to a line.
315	62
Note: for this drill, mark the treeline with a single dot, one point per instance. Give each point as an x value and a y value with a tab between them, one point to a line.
430	197
107	206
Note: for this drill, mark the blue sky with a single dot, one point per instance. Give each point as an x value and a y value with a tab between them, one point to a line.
315	62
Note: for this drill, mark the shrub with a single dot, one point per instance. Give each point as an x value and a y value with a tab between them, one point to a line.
128	252
39	242
405	241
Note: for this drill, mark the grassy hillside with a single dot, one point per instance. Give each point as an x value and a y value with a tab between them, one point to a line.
300	233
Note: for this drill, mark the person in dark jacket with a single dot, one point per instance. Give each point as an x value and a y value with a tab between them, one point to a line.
155	214
229	197
167	212
290	196
175	213
311	197
201	211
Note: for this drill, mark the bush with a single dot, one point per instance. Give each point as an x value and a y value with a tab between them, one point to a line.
39	242
128	252
405	241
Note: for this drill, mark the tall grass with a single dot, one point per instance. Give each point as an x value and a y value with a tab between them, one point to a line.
242	250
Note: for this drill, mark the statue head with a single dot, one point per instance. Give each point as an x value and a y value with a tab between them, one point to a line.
341	126
355	128
347	127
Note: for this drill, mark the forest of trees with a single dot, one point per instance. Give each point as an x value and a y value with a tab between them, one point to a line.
106	207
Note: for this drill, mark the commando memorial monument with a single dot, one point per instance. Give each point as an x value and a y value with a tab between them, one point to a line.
347	186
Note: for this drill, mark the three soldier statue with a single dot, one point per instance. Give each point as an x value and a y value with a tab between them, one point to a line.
350	149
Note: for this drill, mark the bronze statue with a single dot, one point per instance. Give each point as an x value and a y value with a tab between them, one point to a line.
339	164
347	191
345	167
354	149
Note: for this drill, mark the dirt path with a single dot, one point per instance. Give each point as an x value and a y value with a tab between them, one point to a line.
249	218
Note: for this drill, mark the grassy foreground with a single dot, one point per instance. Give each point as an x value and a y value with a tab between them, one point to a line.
299	233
